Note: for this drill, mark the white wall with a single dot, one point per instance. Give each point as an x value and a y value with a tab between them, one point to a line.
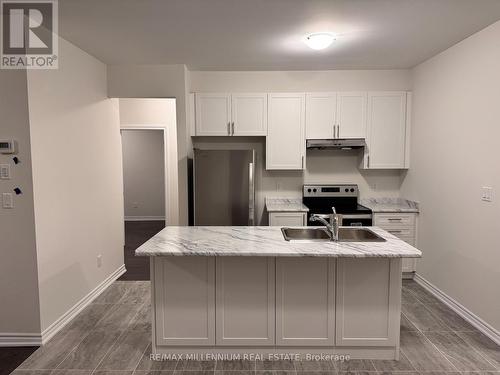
455	133
158	113
322	166
159	81
19	311
77	178
143	174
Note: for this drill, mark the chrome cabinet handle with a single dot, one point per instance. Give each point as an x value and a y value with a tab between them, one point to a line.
302	161
368	161
394	219
395	231
229	128
232	125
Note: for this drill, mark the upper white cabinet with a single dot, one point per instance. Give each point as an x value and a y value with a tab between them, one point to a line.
213	114
249	114
336	115
321	115
285	145
351	114
221	114
388	131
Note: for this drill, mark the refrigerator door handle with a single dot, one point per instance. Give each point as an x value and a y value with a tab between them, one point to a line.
251	195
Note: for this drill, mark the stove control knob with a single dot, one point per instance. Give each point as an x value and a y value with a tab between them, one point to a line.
346	190
352	190
308	190
314	190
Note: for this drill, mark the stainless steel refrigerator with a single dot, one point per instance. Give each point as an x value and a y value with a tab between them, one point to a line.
224	187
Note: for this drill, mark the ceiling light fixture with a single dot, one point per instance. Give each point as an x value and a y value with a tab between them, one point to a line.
320	41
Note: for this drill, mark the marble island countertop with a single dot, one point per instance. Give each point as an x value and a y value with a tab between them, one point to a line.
285	204
265	241
389	205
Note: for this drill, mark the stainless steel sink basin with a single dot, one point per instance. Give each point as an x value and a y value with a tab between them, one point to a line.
321	235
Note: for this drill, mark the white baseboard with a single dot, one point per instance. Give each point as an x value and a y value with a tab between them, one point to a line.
55	327
20	339
144	218
37	339
461	310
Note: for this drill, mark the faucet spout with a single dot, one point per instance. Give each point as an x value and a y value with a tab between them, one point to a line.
332	227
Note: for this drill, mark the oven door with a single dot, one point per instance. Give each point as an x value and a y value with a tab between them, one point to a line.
354	220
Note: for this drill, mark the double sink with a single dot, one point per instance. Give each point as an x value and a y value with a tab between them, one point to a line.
346	234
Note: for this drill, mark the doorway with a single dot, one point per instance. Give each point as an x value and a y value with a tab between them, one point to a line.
144	194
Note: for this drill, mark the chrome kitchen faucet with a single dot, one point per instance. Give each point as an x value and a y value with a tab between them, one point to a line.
332	227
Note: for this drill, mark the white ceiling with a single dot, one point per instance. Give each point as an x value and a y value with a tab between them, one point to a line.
268	34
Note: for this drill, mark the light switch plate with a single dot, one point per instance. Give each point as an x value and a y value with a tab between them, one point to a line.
7	200
487	194
4	172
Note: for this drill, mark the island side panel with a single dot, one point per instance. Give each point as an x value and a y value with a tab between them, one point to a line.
305	301
368	303
184	300
245	301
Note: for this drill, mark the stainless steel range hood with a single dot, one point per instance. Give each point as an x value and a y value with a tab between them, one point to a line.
336	144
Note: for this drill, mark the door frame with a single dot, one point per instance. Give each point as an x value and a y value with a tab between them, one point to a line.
171	203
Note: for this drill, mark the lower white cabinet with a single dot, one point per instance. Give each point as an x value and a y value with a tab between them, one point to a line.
308	283
184	301
245	307
288	219
403	226
368	301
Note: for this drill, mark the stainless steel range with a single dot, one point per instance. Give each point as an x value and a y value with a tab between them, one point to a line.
321	198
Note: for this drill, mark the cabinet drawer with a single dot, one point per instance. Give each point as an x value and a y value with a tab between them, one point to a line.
401	232
383	220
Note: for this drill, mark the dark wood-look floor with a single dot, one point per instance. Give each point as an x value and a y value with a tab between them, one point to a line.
136	233
11	358
113	336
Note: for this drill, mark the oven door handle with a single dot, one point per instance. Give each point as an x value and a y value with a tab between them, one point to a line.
354	216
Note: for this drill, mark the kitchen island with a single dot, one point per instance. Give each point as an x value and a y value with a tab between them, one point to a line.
228	290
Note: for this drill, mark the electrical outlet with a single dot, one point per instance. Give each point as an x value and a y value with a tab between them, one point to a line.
7	200
487	194
99	261
4	172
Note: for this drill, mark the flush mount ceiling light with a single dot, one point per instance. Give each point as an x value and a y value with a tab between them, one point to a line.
320	41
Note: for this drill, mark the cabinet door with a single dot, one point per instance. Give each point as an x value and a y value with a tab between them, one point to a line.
245	310
249	114
386	130
287	219
213	114
368	301
305	298
351	114
320	115
184	301
285	143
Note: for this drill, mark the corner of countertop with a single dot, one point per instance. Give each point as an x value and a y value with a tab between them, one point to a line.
391	205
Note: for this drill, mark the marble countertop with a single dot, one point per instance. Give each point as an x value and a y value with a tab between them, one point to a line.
285	204
265	241
388	205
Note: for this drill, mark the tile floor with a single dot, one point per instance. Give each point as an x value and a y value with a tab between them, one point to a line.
112	337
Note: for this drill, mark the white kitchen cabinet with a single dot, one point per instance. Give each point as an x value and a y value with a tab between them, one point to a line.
249	114
213	114
245	318
285	143
222	114
288	219
336	115
403	226
387	131
351	114
368	301
321	115
184	295
310	284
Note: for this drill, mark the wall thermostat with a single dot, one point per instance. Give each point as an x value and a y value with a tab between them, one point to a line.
8	146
